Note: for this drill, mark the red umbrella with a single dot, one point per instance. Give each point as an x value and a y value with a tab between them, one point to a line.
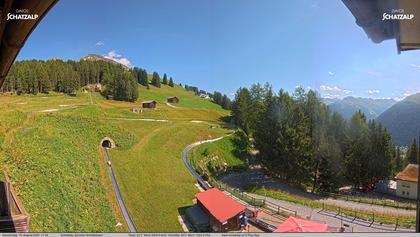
298	225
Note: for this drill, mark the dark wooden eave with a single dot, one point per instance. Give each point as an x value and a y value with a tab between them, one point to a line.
369	13
14	33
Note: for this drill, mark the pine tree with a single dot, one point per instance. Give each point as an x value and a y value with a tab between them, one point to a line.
412	153
171	82
156	79
241	108
165	79
398	160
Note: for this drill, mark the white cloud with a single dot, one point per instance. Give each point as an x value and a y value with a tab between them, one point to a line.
373	91
414	65
100	43
403	95
113	55
331	73
330	96
335	89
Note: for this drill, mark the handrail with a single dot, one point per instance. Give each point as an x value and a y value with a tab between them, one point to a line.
12	192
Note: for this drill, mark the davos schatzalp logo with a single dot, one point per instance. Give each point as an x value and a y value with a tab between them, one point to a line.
21	14
397	14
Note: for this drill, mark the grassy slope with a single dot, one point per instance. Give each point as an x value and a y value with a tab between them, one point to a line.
155	183
187	98
58	170
55	166
191	107
232	151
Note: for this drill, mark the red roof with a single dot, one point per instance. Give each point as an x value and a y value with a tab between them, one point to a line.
220	205
293	224
410	173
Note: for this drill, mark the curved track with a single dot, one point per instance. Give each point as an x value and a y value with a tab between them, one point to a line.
118	195
199	179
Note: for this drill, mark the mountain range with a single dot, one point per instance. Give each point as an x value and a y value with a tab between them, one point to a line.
347	106
403	120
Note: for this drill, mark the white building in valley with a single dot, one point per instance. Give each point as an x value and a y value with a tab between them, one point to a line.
407	182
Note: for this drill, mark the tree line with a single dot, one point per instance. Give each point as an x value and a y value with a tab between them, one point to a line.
217	97
38	76
143	79
302	142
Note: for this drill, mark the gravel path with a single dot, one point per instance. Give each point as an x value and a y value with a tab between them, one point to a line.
332	219
239	180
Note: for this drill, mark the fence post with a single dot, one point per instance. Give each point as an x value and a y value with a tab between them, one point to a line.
278	209
373	219
396	224
339	211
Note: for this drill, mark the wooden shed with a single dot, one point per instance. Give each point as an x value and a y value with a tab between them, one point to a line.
172	99
151	104
225	214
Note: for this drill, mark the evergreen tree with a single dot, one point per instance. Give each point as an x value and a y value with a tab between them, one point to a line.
37	76
412	153
156	79
398	161
226	103
171	82
165	79
241	108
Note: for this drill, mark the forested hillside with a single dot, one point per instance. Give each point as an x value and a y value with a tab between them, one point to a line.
38	76
301	141
402	120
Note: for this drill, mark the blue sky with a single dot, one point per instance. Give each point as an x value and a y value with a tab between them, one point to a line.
225	44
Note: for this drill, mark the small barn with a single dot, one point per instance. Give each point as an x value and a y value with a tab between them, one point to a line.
172	99
151	104
225	214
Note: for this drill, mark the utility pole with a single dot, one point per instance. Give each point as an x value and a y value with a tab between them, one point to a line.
418	193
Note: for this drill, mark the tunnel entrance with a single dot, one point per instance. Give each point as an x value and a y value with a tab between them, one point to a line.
107	142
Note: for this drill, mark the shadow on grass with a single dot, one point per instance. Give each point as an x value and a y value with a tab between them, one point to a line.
182	210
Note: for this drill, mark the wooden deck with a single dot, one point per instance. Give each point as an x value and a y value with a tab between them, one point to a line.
13	216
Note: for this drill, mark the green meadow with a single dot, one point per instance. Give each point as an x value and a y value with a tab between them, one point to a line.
50	148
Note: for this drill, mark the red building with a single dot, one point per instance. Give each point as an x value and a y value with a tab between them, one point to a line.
224	212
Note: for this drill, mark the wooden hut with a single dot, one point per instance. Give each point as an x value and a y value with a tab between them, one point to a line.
151	104
172	99
225	214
